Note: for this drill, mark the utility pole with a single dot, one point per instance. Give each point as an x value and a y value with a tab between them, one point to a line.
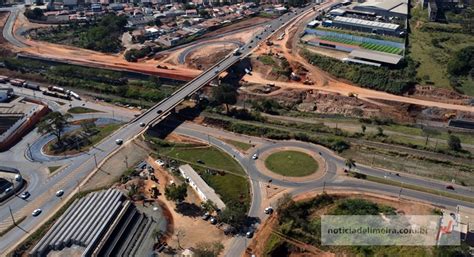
11	214
209	139
29	151
126	161
400	193
95	160
324	185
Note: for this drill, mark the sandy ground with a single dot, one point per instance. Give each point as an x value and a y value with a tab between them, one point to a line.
186	229
260	163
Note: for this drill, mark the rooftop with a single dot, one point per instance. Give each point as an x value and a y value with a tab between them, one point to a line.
376	56
383	4
374	24
202	185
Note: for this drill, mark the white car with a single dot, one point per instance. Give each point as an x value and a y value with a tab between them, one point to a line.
160	162
60	193
268	210
142	124
36	212
255	156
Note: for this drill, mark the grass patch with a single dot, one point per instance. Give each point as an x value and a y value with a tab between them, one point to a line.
418	188
267	60
210	156
80	109
291	163
433	45
18	221
238	144
230	182
53	168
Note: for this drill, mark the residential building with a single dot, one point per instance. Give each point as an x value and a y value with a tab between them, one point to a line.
204	191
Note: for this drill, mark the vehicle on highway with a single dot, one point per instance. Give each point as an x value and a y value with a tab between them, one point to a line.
159	112
142	124
250	46
36	212
25	195
119	141
249	234
450	187
255	156
268	210
60	193
8	189
206	216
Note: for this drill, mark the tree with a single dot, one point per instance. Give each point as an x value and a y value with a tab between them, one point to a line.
208	249
350	163
363	127
283	202
209	206
429	132
157	234
176	193
88	126
54	123
234	214
454	143
225	94
380	131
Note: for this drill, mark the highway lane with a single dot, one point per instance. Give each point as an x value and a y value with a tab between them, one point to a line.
8	27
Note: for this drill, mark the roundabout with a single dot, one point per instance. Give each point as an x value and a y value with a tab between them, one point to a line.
291	163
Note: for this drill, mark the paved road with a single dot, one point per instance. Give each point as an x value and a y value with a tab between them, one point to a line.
8	27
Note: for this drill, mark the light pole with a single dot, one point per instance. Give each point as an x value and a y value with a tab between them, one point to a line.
95	160
400	193
11	214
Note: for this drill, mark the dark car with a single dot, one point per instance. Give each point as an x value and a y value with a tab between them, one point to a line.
159	112
200	161
450	187
249	234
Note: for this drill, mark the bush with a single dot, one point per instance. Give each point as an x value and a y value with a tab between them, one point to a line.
397	80
35	14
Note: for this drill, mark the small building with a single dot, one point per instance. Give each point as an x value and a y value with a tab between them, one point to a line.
204	191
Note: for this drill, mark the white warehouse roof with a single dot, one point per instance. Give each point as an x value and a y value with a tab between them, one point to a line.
383	4
373	24
375	56
205	189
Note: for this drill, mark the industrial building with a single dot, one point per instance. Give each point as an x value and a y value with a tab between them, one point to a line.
100	224
204	191
385	8
366	26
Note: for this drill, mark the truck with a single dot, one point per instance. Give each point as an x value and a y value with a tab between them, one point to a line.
3	79
17	82
236	52
32	86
